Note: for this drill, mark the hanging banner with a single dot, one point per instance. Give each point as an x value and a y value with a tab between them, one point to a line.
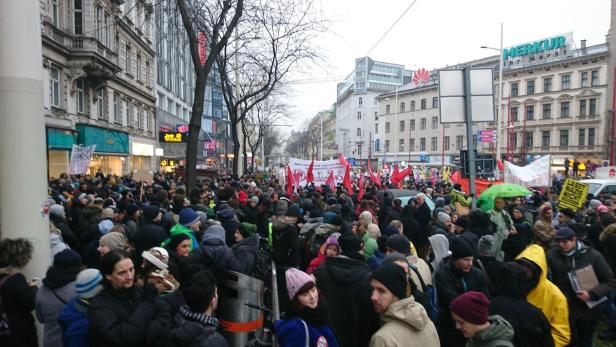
535	174
573	195
321	170
80	159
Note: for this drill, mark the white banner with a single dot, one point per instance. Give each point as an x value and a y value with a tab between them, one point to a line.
535	174
80	159
321	170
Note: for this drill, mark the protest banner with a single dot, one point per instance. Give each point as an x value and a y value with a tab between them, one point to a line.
321	170
573	194
535	174
143	176
80	159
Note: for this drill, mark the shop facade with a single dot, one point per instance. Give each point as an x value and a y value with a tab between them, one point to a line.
142	154
111	155
59	145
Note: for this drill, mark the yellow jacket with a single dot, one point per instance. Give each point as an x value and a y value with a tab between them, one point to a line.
548	298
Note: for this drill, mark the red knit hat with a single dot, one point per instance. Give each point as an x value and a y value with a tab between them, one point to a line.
472	307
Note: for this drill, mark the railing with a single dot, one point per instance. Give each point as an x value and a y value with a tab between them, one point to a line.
79	43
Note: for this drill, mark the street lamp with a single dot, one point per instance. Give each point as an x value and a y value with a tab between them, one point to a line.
395	127
500	94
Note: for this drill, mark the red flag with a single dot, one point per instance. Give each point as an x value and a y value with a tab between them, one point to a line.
331	182
376	180
394	176
343	160
289	181
455	176
361	186
346	182
309	174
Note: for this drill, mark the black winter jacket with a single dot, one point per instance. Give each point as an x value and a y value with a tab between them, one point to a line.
193	333
148	235
245	252
67	234
531	327
285	248
18	300
218	255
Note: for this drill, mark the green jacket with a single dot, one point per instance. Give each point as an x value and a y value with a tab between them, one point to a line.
370	246
498	334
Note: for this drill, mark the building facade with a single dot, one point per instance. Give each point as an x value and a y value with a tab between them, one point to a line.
98	61
357	104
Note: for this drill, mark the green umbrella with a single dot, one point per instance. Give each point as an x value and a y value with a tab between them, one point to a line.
505	190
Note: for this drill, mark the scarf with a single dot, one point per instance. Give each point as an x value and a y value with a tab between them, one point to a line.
198	317
317	316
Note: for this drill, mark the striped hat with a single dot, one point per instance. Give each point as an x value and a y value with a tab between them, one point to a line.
88	283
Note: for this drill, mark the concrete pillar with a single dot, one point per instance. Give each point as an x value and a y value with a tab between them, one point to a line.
609	100
23	183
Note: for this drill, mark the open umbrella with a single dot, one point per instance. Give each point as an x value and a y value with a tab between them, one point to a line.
505	190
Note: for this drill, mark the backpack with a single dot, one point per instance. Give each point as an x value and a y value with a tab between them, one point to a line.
4	320
428	297
262	268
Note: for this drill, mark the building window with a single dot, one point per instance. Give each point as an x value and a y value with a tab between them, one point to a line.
100	103
529	139
401	126
459	142
402	107
582	138
80	98
386	145
129	113
412	125
423	104
376	128
361	101
138	61
594	78
564	109
129	60
547	84
147	73
592	105
387	127
584	79
116	109
545	139
54	86
583	108
564	138
401	145
376	115
411	145
514	89
387	109
530	87
98	17
413	105
514	114
78	18
565	82
434	144
140	117
358	131
359	115
422	144
515	140
435	102
107	31
547	111
54	13
530	112
422	124
434	122
591	136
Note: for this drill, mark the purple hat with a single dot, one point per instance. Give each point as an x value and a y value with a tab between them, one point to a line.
296	279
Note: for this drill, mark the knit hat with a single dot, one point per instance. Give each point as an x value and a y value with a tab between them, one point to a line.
107	213
331	218
332	241
281	208
485	246
399	243
392	276
602	209
57	210
594	203
188	217
254	199
296	279
151	212
460	248
350	243
113	240
67	258
391	230
393	257
227	213
373	231
443	217
214	232
462	222
518	208
293	211
249	228
158	256
472	307
568	212
88	283
365	217
104	226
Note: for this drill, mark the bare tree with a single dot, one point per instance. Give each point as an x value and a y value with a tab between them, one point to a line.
216	19
273	37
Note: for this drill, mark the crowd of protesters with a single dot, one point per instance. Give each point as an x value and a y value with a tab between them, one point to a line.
137	264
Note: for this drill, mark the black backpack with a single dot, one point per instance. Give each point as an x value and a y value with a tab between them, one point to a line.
426	296
263	262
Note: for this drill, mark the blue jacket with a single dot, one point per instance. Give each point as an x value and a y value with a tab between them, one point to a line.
292	333
376	260
74	322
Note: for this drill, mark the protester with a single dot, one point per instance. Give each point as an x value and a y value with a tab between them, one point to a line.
542	230
329	249
400	244
488	264
57	216
215	253
188	223
150	233
520	237
178	249
246	246
504	226
440	250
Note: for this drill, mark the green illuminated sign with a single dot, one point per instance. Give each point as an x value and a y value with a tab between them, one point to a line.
535	47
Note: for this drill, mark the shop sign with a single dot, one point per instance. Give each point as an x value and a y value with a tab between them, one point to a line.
181	128
540	46
172	137
167	163
142	149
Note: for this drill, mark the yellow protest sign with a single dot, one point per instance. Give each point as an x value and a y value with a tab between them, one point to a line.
573	194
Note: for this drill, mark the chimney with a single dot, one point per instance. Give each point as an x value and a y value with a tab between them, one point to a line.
583	45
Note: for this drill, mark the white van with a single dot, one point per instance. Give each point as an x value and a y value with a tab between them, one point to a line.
598	187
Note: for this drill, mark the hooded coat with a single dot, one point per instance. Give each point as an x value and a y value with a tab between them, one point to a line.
608	238
498	334
531	328
345	283
406	323
543	232
148	235
193	333
548	298
285	248
245	252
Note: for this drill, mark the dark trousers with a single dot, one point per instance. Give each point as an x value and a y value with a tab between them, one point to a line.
582	332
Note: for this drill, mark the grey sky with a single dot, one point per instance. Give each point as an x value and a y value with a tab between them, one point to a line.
433	34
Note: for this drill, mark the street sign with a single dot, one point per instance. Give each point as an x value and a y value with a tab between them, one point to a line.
452	93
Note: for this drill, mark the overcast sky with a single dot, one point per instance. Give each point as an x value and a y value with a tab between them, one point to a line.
433	34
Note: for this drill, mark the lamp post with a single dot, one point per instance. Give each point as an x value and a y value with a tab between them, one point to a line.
500	94
396	129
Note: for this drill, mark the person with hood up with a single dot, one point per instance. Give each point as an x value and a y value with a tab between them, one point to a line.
345	282
178	249
246	247
331	225
571	255
543	232
369	238
440	249
229	221
504	226
544	295
489	265
189	223
215	253
470	312
458	197
406	322
307	320
455	276
517	241
73	318
285	248
329	249
57	215
150	233
57	289
531	327
443	225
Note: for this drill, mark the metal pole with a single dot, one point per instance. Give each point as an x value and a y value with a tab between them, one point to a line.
500	99
321	144
396	129
469	132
